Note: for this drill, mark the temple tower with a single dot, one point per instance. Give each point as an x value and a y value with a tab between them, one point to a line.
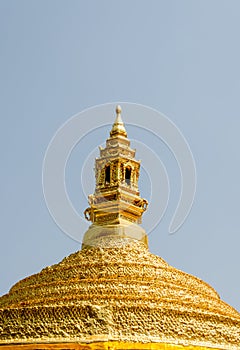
116	207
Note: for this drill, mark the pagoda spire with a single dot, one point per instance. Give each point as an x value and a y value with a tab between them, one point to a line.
118	127
116	207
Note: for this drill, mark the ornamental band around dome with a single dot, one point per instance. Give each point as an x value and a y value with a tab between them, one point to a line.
115	294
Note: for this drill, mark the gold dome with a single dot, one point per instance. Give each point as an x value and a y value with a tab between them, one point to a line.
115	294
118	293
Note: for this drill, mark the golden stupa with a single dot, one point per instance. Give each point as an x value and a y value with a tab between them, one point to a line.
115	294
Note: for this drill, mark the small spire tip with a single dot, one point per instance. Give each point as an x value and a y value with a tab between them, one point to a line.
118	109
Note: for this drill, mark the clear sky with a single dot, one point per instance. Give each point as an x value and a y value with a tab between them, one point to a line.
180	57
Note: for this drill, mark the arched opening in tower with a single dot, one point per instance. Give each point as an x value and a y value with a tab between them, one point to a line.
128	175
107	174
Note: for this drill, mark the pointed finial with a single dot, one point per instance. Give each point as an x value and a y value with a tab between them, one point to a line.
118	110
118	126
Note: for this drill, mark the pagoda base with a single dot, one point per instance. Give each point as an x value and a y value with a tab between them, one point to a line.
111	345
124	229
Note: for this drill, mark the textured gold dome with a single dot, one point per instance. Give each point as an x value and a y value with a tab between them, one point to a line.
117	292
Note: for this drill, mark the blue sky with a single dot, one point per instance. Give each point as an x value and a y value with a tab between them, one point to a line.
179	57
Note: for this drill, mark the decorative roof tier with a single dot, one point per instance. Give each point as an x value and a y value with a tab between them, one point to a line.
115	294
